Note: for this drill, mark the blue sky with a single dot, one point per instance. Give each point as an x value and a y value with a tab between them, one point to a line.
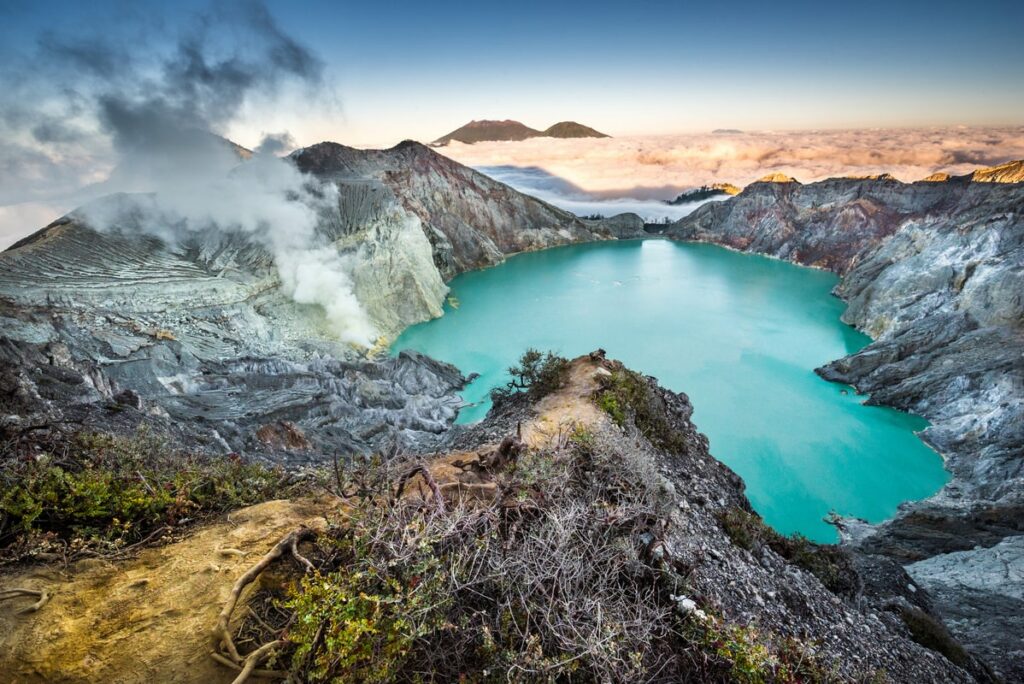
418	69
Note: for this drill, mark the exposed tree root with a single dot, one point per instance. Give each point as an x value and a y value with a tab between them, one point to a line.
225	651
261	674
42	595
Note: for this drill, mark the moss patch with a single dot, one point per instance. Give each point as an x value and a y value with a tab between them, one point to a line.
931	633
627	396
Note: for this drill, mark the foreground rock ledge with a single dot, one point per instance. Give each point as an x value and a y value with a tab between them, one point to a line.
149	618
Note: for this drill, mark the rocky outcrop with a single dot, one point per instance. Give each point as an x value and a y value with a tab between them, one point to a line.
704	192
934	271
860	612
620	226
275	408
981	592
732	600
198	327
471	220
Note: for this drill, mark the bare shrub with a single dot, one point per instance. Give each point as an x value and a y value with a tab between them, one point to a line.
564	575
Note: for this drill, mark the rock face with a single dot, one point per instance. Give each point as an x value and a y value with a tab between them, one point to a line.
934	271
993	579
1010	172
471	220
858	610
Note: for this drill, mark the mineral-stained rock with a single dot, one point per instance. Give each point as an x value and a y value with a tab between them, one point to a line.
283	434
199	331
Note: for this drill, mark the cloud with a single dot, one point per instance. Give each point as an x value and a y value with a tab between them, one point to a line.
662	166
276	144
82	115
537	182
23	219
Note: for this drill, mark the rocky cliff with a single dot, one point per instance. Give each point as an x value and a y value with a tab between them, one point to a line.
198	328
632	553
471	220
934	271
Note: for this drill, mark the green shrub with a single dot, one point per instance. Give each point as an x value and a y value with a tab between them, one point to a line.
626	396
102	488
549	583
744	654
539	374
360	621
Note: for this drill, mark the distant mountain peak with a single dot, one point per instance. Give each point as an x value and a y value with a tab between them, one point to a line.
705	192
488	130
776	178
571	129
1008	172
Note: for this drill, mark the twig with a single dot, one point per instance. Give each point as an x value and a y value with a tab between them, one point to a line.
435	490
264	674
255	658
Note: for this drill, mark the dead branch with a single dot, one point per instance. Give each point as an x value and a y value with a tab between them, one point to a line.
255	658
42	595
299	557
262	674
428	478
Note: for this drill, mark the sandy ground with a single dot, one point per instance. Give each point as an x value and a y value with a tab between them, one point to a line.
145	619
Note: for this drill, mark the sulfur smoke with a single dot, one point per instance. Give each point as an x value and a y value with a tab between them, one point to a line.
160	117
269	201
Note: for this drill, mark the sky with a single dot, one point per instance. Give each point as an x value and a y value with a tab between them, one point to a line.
87	88
419	69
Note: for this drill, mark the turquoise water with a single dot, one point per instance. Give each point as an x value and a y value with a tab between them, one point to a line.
741	334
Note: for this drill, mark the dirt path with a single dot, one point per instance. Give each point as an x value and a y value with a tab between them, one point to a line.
561	412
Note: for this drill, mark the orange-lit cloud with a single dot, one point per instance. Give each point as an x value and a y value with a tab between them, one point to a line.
657	166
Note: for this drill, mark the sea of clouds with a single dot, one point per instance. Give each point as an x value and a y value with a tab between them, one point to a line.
585	173
539	183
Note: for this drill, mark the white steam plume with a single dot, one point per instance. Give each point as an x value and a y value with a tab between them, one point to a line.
271	201
150	119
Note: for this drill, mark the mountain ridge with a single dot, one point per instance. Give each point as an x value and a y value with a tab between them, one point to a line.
930	270
507	130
